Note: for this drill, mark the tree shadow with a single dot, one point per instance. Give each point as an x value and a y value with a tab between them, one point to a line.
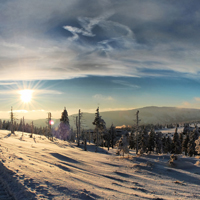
64	158
110	164
92	148
63	167
9	134
78	194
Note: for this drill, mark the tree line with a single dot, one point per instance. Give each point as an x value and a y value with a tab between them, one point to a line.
145	139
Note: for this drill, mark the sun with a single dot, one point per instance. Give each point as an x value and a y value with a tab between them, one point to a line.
26	95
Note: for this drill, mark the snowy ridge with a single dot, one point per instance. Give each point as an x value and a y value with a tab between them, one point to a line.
60	170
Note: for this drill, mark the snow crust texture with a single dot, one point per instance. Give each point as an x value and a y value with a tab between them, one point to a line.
37	168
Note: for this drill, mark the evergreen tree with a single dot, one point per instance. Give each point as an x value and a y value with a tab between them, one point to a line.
168	145
98	121
4	124
1	124
164	139
151	144
196	133
144	141
191	144
181	140
63	131
176	145
20	127
158	142
100	126
139	140
132	141
185	144
112	135
64	117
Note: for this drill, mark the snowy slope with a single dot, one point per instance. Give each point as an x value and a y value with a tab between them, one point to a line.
60	170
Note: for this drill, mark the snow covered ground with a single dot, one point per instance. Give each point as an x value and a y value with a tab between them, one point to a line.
170	130
40	169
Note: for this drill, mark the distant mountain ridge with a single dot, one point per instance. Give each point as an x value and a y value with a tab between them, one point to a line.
148	115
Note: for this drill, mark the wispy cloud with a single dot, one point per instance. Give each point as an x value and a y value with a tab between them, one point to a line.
8	83
53	92
75	31
126	84
67	40
102	97
194	103
19	111
36	91
8	92
197	98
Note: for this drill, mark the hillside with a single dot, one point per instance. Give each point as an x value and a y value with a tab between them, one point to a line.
148	115
40	169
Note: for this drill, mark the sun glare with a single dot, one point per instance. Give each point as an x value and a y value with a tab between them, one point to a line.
26	95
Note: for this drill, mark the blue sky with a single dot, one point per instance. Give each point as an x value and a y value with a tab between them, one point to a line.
109	53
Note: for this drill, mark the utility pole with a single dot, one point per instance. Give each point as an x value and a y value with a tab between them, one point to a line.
137	129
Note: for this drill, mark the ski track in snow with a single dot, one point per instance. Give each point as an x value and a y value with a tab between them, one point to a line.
41	169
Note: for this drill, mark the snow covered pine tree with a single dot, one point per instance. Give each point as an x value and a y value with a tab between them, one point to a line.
63	131
122	146
100	126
